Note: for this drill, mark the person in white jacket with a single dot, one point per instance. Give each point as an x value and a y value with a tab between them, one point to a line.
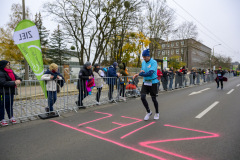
51	77
98	74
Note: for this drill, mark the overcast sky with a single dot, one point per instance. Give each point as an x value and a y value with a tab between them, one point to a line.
221	17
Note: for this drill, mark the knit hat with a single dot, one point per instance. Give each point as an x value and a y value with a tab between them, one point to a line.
158	67
146	53
3	64
115	64
96	65
219	67
105	69
87	64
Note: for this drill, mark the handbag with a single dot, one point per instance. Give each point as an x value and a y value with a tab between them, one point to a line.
90	83
58	88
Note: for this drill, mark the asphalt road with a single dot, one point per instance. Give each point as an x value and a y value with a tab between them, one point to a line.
117	131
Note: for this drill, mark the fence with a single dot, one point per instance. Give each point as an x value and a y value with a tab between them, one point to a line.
74	70
29	100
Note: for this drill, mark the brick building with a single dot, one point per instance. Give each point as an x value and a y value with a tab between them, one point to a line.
190	51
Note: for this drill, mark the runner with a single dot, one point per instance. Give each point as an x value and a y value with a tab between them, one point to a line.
149	74
220	77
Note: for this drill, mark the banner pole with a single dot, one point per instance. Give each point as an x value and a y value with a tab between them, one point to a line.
26	74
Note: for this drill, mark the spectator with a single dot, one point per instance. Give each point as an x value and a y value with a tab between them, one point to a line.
8	84
184	72
85	75
165	79
123	80
98	74
51	76
112	74
171	77
203	75
159	74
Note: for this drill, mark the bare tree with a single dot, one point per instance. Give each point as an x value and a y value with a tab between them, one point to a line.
186	30
160	21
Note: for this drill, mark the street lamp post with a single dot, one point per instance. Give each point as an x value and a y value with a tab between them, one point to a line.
213	54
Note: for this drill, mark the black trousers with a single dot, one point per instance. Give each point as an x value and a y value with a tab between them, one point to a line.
98	94
122	90
220	80
82	94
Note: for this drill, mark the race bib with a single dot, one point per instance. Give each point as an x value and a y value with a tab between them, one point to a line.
148	83
219	74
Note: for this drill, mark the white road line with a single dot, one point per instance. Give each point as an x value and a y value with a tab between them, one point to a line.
193	93
238	85
207	110
230	91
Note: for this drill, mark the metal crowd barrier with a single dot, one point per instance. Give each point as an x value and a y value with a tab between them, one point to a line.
29	100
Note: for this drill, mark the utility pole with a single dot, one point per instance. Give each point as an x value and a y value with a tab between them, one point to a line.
26	75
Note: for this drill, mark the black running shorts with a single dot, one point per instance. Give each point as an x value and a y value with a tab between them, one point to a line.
150	89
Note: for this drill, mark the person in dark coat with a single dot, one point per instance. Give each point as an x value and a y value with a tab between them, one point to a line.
85	74
8	85
111	81
171	77
164	79
220	78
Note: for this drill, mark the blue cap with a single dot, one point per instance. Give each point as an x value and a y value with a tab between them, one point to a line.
105	69
146	53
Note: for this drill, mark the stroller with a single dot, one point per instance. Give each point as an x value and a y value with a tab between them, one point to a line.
132	89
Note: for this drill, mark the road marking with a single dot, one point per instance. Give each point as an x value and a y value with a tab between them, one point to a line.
230	91
193	93
238	85
207	110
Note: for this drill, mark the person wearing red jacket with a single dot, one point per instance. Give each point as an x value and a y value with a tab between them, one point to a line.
159	74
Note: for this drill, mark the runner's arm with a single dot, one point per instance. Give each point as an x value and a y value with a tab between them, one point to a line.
146	74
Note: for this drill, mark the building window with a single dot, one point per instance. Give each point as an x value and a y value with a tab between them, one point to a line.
172	52
172	44
181	51
163	53
159	52
168	45
182	43
163	45
168	52
177	51
177	43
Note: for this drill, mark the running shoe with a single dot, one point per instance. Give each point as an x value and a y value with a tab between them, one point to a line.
147	116
12	120
156	116
4	123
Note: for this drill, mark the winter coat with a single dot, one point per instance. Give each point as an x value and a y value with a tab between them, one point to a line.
51	84
7	85
165	76
159	74
123	73
171	74
112	73
98	78
84	75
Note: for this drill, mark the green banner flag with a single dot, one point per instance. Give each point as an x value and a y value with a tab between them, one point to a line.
26	37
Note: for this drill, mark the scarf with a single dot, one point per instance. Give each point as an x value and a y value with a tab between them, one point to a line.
10	74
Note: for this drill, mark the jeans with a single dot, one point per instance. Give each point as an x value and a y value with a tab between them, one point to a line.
6	103
98	94
52	98
111	89
171	83
82	94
